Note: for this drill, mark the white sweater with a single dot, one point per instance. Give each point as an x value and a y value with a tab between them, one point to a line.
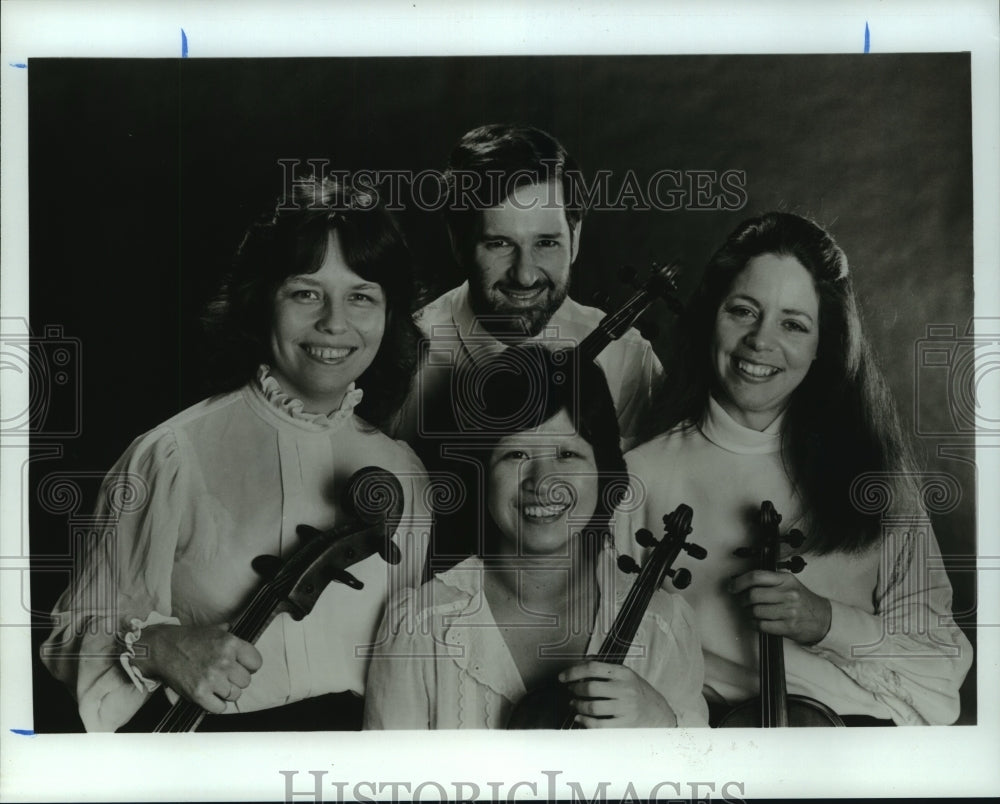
892	651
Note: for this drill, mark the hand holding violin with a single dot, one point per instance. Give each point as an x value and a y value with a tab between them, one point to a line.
204	664
614	696
780	604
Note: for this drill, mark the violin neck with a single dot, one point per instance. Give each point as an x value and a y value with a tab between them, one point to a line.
614	325
773	691
263	608
186	715
591	346
616	644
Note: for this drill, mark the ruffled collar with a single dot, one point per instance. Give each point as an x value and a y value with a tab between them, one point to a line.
281	402
722	430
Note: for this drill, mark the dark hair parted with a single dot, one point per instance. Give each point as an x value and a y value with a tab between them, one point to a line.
490	162
526	385
841	421
293	240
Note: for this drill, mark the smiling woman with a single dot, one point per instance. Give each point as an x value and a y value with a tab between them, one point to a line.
316	347
766	336
327	329
778	398
543	589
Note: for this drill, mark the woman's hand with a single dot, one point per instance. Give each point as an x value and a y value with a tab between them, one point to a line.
204	664
780	604
621	697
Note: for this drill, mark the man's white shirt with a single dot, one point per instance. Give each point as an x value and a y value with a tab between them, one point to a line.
452	335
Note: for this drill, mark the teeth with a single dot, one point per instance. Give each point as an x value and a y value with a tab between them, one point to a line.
541	511
523	294
755	370
328	353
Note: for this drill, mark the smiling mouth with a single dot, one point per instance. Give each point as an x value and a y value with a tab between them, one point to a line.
522	296
543	513
329	354
756	371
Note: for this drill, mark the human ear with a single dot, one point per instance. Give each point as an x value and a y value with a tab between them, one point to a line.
574	236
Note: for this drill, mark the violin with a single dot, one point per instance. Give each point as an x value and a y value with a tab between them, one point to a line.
548	707
774	707
374	499
660	284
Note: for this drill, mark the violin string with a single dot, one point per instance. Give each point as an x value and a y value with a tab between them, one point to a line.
634	606
185	714
590	343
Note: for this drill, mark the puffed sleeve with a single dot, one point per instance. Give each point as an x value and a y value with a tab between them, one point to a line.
124	576
399	693
909	654
641	379
674	665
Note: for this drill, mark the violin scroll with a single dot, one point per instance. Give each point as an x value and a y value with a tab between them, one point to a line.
676	526
374	494
662	282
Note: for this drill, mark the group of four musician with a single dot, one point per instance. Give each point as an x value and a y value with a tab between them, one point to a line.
513	585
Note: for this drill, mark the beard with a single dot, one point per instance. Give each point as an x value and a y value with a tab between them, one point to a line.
510	322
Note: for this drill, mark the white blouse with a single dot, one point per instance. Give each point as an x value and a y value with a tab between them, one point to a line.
183	513
442	662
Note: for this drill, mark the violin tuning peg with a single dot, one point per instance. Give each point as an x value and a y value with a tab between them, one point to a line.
794	565
645	538
344	577
681	578
627	564
307	532
266	566
390	553
794	538
743	552
695	550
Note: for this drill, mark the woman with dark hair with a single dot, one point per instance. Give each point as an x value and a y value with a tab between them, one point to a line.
777	397
543	589
316	347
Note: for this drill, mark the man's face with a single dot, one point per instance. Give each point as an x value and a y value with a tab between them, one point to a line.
520	261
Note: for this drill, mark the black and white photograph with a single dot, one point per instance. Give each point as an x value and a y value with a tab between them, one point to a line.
358	392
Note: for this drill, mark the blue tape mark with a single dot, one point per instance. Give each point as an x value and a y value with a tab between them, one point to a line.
868	38
24	732
184	44
18	64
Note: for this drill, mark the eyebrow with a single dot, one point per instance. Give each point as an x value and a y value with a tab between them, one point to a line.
308	279
487	235
784	311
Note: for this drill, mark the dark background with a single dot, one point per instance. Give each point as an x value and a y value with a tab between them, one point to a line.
145	173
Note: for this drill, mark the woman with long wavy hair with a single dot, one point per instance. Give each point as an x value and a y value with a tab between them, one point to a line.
777	397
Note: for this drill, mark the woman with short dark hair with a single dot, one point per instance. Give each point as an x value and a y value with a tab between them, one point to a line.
316	347
542	590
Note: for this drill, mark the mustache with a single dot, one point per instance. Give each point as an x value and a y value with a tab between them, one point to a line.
504	285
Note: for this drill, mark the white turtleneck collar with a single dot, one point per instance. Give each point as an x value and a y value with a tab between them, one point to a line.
722	430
